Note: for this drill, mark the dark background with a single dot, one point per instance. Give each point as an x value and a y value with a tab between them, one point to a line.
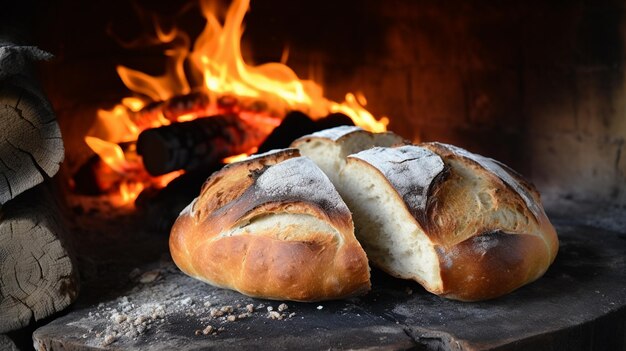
536	84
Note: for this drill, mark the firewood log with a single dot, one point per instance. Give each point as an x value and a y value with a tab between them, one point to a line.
38	277
197	103
6	344
31	148
196	144
297	124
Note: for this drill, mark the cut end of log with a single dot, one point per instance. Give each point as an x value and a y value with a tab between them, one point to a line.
31	148
37	275
6	344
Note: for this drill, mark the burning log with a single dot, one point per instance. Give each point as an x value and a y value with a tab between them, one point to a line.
37	275
31	148
297	124
178	106
185	107
200	143
165	205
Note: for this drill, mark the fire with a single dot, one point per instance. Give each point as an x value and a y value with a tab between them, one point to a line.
266	91
129	191
240	157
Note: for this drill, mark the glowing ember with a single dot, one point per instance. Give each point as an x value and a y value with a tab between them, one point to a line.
239	157
260	95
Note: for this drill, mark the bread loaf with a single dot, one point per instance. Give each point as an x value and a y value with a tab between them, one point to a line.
330	147
464	226
274	227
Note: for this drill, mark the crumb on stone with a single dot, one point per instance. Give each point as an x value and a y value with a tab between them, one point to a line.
118	318
109	339
250	308
214	312
139	320
208	330
282	307
149	277
158	313
274	315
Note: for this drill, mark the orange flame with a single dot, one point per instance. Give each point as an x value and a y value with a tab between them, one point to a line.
216	57
110	153
129	191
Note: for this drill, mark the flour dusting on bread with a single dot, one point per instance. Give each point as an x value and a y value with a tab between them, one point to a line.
299	178
463	225
410	170
335	133
272	226
285	224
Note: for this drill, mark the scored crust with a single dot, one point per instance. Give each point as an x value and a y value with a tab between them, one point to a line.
274	227
462	225
503	237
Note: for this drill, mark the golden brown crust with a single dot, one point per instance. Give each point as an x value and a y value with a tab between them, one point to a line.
491	265
490	240
484	222
324	261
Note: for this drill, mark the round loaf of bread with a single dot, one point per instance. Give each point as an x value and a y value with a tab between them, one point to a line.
272	226
462	225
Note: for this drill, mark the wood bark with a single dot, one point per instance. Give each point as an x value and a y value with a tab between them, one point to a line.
197	144
31	148
38	277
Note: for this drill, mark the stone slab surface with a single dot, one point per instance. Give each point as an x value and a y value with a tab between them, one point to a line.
580	304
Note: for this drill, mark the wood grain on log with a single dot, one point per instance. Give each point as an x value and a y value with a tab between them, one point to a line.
6	344
31	148
37	275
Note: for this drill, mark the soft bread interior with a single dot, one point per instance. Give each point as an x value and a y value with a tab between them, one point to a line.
284	226
388	233
331	156
327	156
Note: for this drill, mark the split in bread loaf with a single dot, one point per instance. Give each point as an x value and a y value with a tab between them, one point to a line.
464	226
272	226
330	147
